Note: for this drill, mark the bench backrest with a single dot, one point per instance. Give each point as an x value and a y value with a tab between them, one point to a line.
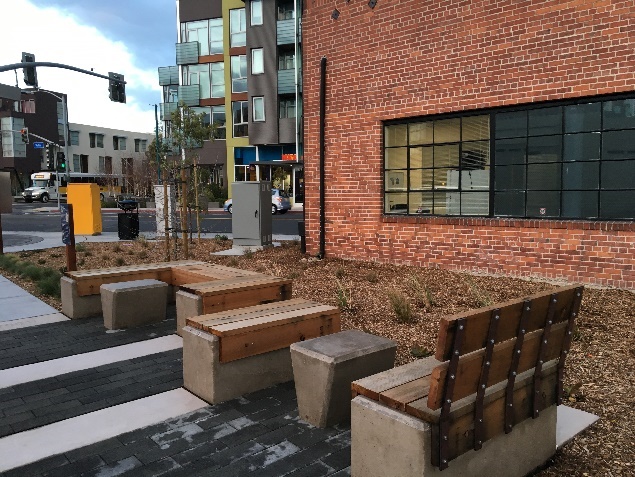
483	348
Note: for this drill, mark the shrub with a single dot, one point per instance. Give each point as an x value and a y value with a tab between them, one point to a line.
221	238
422	294
32	272
41	261
339	273
372	277
49	283
80	247
401	306
343	295
119	261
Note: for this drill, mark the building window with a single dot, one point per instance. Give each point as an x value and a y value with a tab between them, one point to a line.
572	160
258	108
119	143
170	94
108	165
102	164
286	60
96	140
218	121
208	33
286	11
74	136
76	163
287	107
257	62
198	74
237	27
218	80
27	106
256	12
239	73
140	145
240	117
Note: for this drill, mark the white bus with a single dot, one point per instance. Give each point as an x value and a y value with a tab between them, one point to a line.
44	185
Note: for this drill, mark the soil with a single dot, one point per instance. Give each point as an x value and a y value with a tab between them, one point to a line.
374	297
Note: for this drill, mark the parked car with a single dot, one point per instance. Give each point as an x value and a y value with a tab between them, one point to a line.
279	202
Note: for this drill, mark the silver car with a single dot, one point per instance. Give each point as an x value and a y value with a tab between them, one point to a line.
279	202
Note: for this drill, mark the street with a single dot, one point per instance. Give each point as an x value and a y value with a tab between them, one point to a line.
38	217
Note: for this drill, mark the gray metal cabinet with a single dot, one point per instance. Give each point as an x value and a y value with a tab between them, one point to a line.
251	217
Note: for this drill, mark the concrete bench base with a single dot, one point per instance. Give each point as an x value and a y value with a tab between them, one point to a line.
214	382
187	306
75	306
325	367
134	303
389	442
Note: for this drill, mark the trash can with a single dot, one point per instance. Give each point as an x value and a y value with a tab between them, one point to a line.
128	222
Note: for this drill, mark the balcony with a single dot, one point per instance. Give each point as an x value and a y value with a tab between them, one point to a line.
167	109
168	75
286	81
286	32
189	95
187	53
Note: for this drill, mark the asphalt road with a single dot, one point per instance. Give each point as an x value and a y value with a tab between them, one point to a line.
36	217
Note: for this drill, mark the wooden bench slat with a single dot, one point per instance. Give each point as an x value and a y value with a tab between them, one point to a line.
470	365
79	274
510	311
399	397
246	297
235	284
266	322
248	312
205	273
263	340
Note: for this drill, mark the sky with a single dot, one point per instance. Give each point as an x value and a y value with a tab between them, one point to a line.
130	37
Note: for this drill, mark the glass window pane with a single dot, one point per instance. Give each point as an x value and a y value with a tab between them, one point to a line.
475	128
440	203
509	178
421	179
420	203
257	63
543	204
581	175
543	177
545	121
396	135
511	151
396	180
396	203
421	133
618	145
475	155
475	180
421	157
619	114
511	124
617	205
618	175
582	117
580	204
256	12
446	156
397	158
259	108
475	203
544	149
582	147
446	179
447	130
216	36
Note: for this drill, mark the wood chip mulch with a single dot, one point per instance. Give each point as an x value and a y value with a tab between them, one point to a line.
600	368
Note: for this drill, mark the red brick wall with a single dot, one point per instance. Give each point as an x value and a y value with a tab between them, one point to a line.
417	57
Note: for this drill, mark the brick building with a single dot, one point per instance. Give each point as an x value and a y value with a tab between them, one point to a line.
481	135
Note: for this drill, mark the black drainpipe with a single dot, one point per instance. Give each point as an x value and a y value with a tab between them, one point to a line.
322	168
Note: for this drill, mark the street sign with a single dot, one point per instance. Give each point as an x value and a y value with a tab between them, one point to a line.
38	145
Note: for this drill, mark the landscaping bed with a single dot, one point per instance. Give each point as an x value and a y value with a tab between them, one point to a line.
405	303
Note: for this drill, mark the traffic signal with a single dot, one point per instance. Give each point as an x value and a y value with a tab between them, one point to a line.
50	163
24	132
30	75
116	88
61	162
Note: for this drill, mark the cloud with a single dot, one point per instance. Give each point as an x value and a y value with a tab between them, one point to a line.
56	36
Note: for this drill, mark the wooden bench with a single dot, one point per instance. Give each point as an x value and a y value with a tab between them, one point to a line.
195	299
231	353
494	368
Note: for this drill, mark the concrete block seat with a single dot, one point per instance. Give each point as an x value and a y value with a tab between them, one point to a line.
133	303
195	299
231	353
325	367
485	404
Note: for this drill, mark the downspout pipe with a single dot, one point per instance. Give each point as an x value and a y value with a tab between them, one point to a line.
322	165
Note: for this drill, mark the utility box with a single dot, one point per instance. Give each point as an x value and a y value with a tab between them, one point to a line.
86	208
251	213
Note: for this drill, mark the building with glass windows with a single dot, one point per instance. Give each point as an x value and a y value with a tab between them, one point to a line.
492	137
235	62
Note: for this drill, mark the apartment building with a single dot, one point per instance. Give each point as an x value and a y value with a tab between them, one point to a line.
496	137
236	63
